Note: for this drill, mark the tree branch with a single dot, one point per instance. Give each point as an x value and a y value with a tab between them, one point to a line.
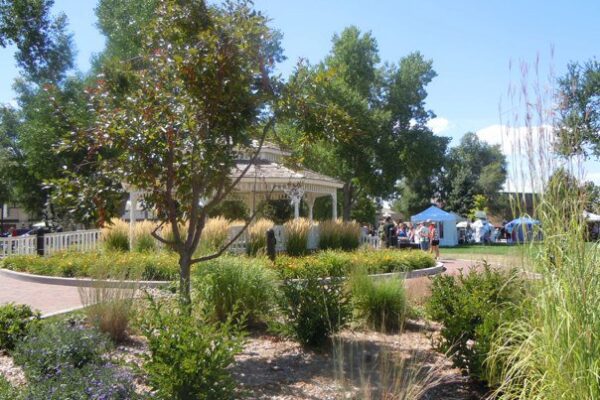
225	193
233	239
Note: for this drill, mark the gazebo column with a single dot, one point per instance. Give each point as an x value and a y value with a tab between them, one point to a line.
133	201
310	198
334	205
295	194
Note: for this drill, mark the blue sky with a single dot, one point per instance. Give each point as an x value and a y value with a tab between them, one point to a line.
471	44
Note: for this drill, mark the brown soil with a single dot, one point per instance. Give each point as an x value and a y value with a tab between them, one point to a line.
358	365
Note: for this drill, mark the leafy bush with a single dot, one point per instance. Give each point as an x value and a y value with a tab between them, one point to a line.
339	235
90	382
149	266
472	307
380	303
189	356
56	346
15	323
296	236
236	287
257	236
369	261
314	307
115	235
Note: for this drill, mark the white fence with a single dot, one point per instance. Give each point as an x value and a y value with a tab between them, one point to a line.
76	240
88	240
18	245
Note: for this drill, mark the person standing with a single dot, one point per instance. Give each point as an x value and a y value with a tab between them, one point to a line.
434	240
389	231
424	236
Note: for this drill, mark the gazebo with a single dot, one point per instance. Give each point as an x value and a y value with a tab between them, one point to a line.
268	179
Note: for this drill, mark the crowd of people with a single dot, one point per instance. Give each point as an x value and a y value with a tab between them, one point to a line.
399	234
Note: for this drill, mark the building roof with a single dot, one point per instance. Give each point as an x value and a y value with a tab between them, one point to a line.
274	172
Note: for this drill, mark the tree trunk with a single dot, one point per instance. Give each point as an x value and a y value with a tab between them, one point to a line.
348	190
184	279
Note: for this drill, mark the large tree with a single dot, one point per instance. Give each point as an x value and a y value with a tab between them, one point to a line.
473	167
33	130
579	109
199	94
357	120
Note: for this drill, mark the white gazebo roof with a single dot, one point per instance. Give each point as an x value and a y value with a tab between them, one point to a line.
268	178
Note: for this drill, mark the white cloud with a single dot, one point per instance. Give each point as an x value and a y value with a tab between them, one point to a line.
438	124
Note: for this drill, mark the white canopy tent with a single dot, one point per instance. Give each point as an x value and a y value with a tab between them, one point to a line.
445	221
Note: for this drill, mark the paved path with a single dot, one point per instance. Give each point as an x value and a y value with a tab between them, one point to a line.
49	299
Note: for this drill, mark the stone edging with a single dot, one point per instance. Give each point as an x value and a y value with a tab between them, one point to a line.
77	282
87	282
417	273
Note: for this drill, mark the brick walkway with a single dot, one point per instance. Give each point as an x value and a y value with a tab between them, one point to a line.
49	299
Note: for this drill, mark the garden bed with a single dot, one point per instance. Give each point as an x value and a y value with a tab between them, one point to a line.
157	268
360	361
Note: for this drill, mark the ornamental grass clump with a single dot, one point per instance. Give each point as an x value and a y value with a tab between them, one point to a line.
110	307
380	304
142	237
242	288
296	234
340	235
552	351
214	234
115	235
257	236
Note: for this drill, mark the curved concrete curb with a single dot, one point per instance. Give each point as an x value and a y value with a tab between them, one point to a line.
87	282
417	273
78	282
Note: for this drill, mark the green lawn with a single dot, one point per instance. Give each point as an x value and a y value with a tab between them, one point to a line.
509	255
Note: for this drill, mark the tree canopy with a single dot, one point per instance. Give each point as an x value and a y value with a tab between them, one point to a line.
360	121
472	168
579	110
201	92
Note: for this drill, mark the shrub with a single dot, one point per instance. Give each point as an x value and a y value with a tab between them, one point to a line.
142	237
15	323
56	346
188	355
161	265
90	382
472	307
339	235
314	308
296	236
257	236
236	287
368	261
115	235
380	303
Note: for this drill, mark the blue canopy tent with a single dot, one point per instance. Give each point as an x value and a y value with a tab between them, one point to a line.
446	223
522	229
